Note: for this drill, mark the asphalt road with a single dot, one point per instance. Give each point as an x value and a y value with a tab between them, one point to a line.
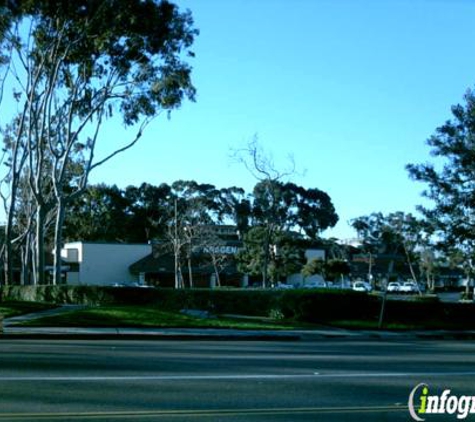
335	380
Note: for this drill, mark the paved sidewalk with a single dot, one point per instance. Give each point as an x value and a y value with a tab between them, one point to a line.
7	322
225	334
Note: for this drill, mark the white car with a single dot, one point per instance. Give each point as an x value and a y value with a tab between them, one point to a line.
362	286
394	287
409	287
315	285
283	286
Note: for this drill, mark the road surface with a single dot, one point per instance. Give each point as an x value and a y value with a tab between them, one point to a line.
325	380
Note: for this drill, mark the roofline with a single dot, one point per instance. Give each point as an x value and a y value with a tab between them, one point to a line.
81	242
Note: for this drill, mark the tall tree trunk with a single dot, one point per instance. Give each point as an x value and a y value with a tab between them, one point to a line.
176	248
33	261
265	266
370	269
190	272
181	281
177	281
411	268
383	302
26	261
8	251
177	270
216	271
40	244
428	281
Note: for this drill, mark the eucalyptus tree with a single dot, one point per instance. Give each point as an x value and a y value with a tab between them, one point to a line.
149	211
284	257
201	209
393	234
234	207
277	206
100	214
78	64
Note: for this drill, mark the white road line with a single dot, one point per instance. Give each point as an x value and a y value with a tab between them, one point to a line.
397	374
315	375
157	378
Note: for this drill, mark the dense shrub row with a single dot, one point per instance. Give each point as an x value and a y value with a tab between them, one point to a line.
299	304
302	305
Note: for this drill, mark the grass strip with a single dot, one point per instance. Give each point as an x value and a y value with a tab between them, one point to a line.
146	317
151	317
14	308
399	326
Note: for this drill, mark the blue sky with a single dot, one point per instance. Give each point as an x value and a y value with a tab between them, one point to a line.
352	89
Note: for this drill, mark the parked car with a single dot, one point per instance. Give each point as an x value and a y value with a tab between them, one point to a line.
362	286
315	285
409	287
394	287
283	286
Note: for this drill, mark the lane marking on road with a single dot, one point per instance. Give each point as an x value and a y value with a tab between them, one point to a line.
396	374
200	413
159	377
231	377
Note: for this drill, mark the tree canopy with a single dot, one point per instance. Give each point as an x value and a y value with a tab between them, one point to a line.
72	66
450	181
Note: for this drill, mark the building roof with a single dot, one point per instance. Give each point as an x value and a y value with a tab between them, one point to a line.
165	264
87	242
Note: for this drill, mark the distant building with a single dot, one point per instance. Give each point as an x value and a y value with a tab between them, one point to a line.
212	263
221	243
353	242
94	263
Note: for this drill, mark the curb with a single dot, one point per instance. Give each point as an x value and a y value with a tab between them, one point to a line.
235	336
446	336
150	337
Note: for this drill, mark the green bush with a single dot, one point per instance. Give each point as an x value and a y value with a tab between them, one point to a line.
84	295
315	306
327	305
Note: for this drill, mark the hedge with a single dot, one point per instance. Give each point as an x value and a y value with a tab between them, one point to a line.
303	305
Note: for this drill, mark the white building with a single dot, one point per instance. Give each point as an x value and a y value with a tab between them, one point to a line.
102	263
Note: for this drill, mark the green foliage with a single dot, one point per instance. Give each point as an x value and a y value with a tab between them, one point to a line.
286	206
326	305
330	270
337	268
314	266
141	41
398	236
279	253
252	256
316	306
142	316
389	233
299	304
98	215
84	295
138	214
75	65
450	183
14	308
